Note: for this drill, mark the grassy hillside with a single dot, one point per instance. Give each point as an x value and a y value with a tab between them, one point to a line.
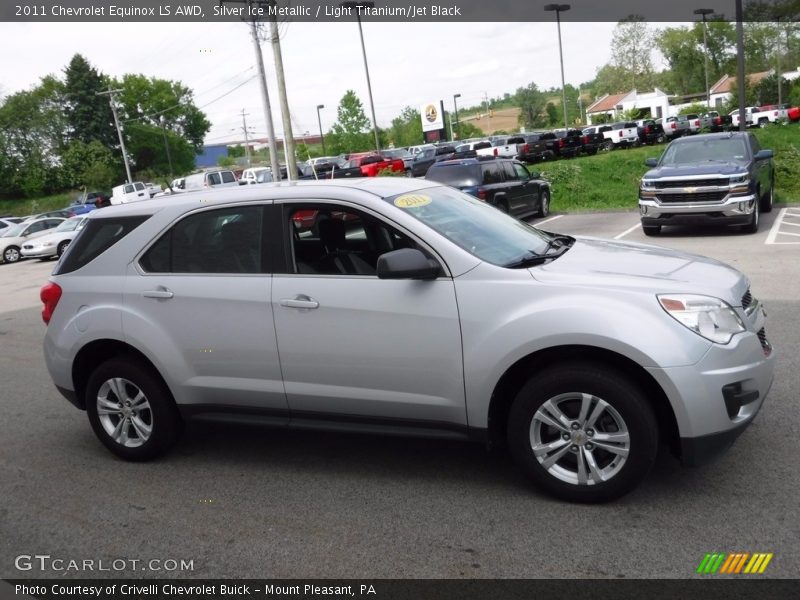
610	180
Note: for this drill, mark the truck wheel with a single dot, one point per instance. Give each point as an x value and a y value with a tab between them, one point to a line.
768	201
11	254
608	145
131	411
544	204
762	123
752	226
583	432
651	230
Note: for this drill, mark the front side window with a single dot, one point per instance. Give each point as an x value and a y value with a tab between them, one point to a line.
334	240
508	168
522	172
225	240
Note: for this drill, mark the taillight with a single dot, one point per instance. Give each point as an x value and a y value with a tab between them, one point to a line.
775	114
562	142
50	295
585	139
494	152
697	123
620	133
717	121
525	149
673	125
481	194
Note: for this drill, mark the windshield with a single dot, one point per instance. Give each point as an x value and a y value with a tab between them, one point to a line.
68	225
15	231
715	149
475	226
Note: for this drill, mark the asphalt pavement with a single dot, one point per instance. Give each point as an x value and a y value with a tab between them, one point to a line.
250	502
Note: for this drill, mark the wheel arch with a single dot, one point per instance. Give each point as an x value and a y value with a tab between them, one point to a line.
97	352
517	374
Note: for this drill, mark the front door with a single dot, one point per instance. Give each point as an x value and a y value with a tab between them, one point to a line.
353	345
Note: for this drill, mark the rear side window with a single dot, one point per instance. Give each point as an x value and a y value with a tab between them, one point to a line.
228	177
511	175
491	174
215	241
95	238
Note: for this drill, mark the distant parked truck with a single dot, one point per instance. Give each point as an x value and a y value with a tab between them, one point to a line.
650	132
621	135
129	192
675	127
718	122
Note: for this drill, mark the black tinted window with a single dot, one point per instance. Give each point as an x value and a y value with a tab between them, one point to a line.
95	238
228	177
511	175
492	174
216	241
455	175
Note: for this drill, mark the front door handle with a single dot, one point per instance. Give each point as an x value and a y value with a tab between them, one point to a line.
300	301
162	293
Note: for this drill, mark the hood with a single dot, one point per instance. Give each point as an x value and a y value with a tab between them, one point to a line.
701	169
643	267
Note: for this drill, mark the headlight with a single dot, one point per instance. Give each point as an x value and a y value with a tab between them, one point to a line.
709	317
737	179
647	189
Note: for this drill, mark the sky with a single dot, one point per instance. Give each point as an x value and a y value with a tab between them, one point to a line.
409	63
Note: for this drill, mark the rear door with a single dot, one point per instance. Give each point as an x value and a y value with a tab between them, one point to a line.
201	294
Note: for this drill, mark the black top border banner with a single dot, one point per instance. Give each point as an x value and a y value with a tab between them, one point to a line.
399	11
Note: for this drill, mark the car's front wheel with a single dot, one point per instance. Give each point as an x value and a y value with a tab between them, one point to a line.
583	432
131	410
768	200
11	254
62	248
752	225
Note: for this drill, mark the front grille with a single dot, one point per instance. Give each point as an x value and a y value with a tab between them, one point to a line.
765	345
696	197
693	183
747	299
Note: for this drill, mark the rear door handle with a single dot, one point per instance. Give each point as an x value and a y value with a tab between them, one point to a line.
162	293
299	301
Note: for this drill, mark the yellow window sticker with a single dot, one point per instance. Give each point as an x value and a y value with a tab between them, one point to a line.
412	200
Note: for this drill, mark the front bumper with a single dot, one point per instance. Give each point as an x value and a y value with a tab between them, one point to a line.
733	210
717	398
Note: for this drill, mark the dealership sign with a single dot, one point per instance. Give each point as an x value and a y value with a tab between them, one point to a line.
432	116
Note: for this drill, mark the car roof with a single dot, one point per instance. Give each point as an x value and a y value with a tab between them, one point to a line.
307	190
711	136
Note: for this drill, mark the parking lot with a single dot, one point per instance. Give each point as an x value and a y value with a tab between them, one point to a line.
245	501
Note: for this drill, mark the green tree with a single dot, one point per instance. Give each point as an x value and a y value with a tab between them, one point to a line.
91	165
351	132
631	45
88	115
552	114
406	129
532	103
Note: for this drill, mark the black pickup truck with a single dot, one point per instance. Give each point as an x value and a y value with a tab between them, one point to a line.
650	132
568	142
535	148
712	178
592	139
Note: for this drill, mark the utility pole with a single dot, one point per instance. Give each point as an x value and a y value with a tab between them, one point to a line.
488	115
288	136
166	146
740	67
246	140
110	93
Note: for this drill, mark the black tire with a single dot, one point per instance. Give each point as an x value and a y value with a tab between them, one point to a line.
769	200
409	173
161	415
608	145
11	254
544	204
752	225
61	248
762	123
630	418
651	230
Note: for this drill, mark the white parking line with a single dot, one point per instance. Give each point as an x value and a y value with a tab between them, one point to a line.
627	231
775	230
548	220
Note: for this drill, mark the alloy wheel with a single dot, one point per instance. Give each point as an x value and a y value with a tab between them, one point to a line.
124	412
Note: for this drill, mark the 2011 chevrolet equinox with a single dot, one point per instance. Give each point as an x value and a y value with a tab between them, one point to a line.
404	307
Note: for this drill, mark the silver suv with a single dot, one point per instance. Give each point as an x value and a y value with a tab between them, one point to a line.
397	306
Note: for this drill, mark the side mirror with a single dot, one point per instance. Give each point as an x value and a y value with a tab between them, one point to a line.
651	162
763	154
406	263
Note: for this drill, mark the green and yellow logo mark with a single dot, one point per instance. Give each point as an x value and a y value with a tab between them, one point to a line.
734	563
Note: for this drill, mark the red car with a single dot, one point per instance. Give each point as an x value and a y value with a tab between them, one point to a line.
793	113
371	164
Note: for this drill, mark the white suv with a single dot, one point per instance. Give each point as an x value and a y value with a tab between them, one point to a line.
408	307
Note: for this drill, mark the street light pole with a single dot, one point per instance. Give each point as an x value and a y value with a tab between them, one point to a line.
458	123
319	120
740	63
357	6
559	8
704	12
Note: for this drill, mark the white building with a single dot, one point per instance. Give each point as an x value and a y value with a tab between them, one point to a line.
654	104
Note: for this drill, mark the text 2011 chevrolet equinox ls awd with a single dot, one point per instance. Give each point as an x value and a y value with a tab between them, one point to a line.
395	305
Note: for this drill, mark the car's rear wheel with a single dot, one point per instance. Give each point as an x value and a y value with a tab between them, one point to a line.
61	248
131	410
583	432
544	204
608	145
11	254
651	229
769	199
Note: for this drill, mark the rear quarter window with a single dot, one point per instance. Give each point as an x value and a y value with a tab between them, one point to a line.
454	175
95	238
